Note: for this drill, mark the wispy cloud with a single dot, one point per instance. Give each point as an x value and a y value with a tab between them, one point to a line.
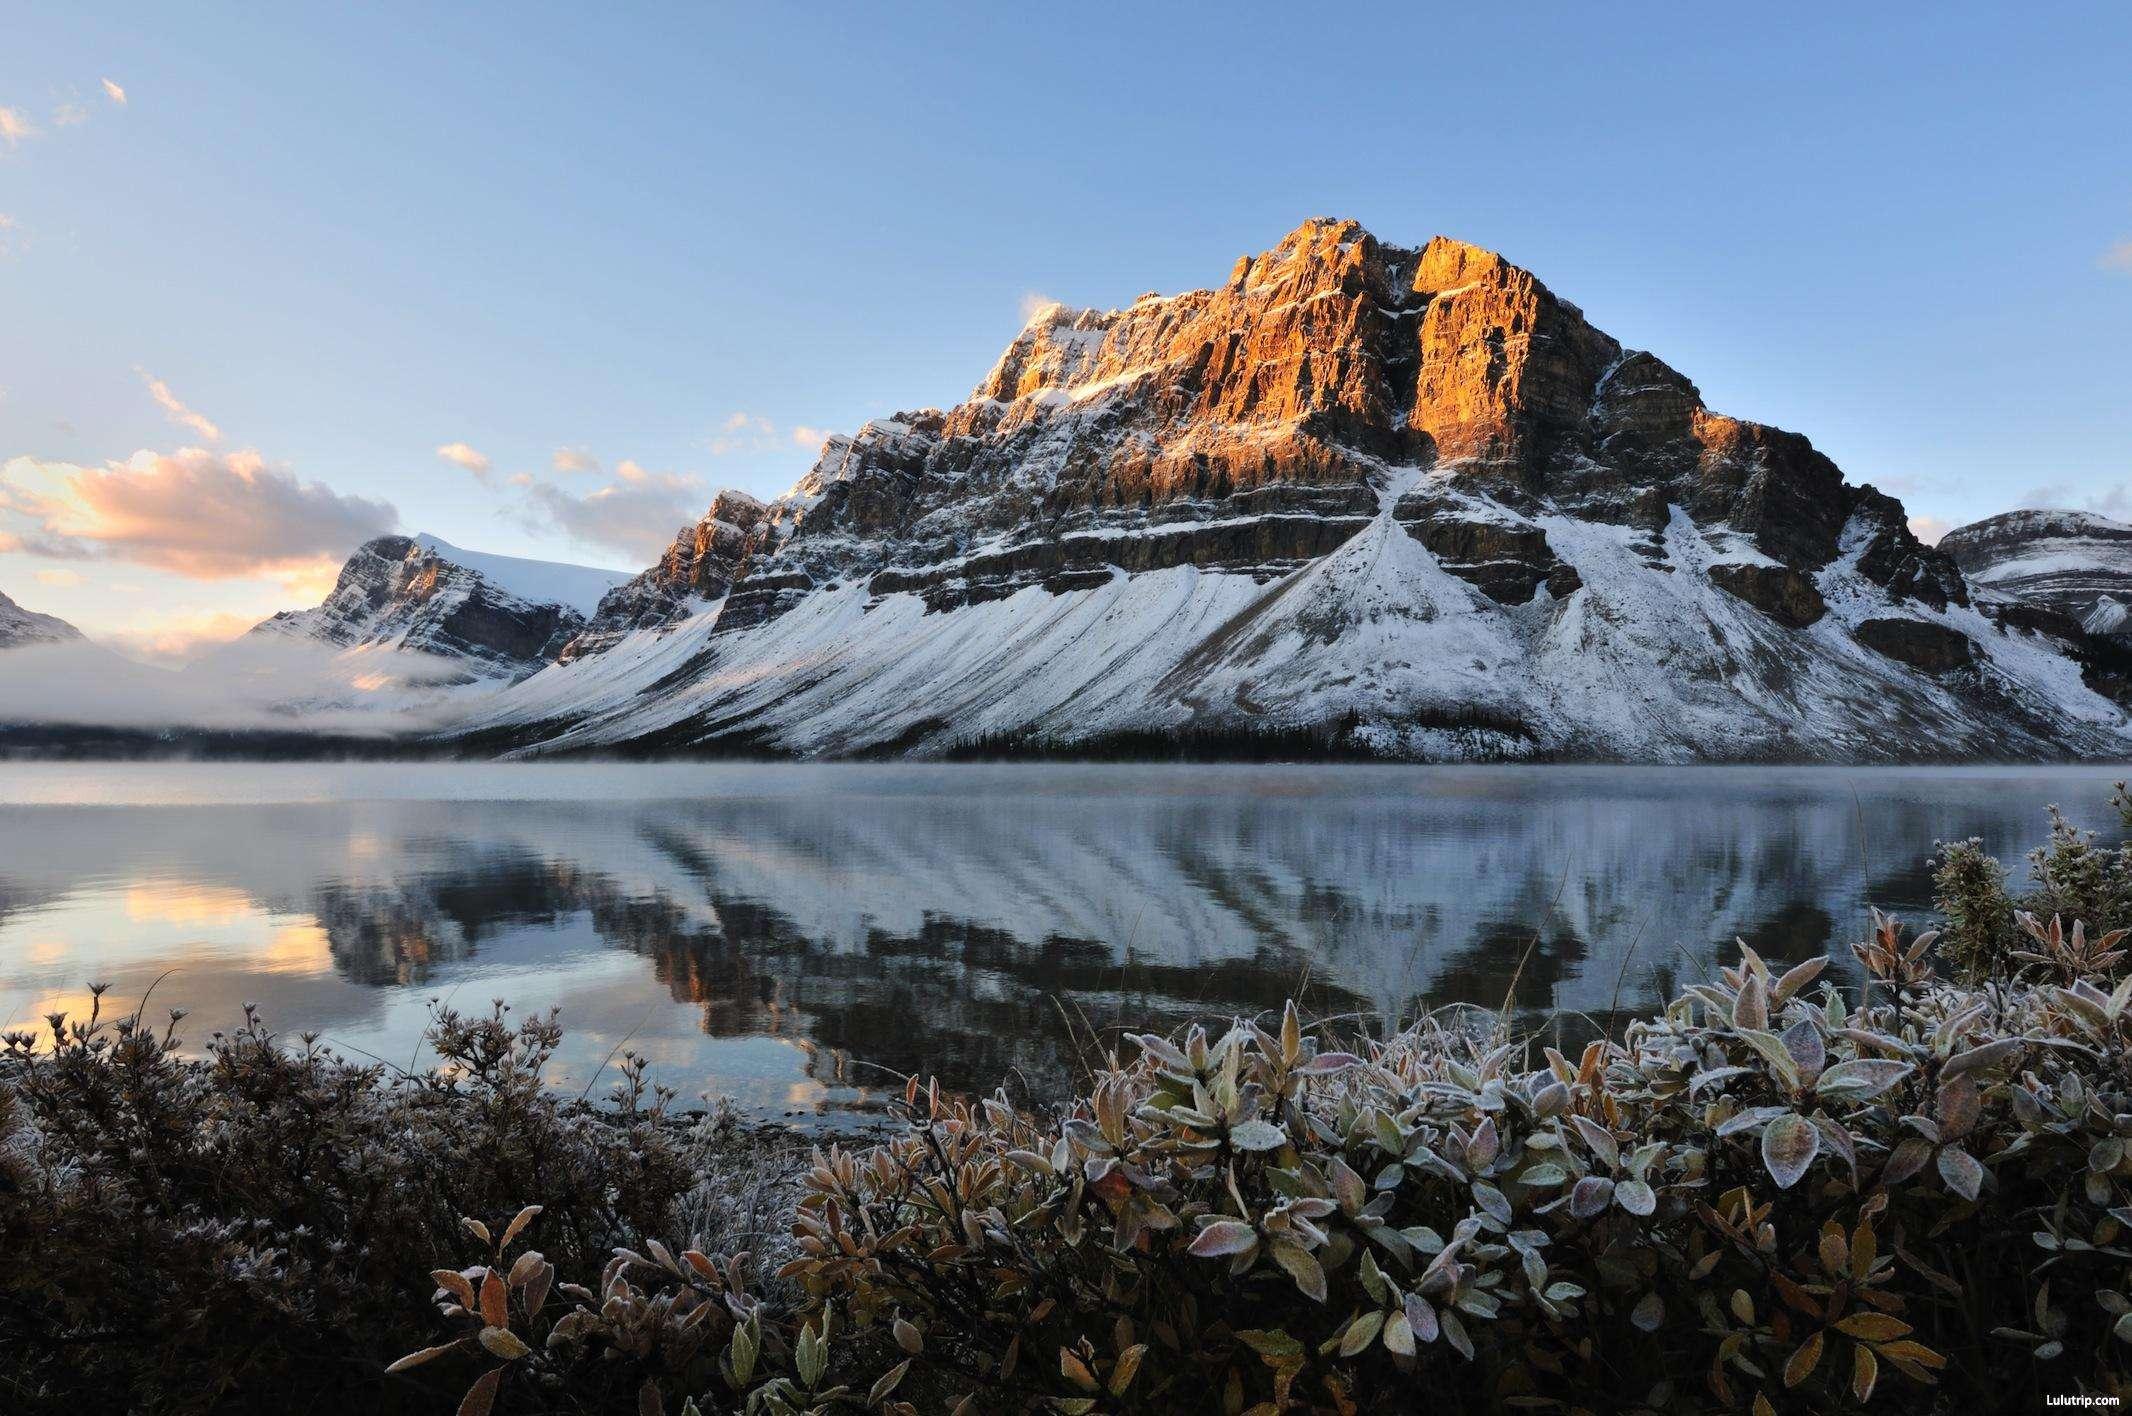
742	432
179	414
637	513
753	433
11	236
569	460
2114	502
68	115
113	92
59	579
461	455
1034	303
1929	529
2118	257
15	127
199	514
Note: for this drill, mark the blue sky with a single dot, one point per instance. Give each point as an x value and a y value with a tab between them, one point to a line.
690	239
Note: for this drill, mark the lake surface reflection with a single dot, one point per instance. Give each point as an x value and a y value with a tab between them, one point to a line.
780	934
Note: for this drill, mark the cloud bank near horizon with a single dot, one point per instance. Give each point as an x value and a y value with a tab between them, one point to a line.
195	513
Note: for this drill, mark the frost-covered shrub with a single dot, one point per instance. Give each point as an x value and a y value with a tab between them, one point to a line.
656	1322
1970	889
2070	877
1771	1197
246	1232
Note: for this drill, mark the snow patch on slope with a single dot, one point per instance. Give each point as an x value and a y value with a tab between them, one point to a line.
1649	660
536	581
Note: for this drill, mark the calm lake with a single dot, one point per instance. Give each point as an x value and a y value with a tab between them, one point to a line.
781	934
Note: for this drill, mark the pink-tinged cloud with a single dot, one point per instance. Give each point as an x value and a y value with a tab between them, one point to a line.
742	432
569	460
1929	529
460	455
637	514
113	92
15	127
810	438
2118	257
195	513
179	414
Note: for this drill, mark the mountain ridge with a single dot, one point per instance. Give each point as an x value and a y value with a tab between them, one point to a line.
420	594
2077	563
1405	497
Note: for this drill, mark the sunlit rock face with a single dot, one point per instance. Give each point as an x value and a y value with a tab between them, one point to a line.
1407	498
2074	562
1279	400
697	570
396	593
20	627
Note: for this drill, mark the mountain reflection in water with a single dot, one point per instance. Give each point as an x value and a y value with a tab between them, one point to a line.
798	937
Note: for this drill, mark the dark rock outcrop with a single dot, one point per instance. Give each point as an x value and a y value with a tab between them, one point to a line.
1932	648
1784	594
1506	561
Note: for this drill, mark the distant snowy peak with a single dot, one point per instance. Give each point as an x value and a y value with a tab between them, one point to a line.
20	627
1355	497
423	595
2074	562
538	582
2035	523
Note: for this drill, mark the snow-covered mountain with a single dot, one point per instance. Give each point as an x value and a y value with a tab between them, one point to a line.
1397	500
492	617
2074	562
20	627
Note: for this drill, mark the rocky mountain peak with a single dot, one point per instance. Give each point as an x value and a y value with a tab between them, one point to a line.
404	593
1294	391
1405	488
699	567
